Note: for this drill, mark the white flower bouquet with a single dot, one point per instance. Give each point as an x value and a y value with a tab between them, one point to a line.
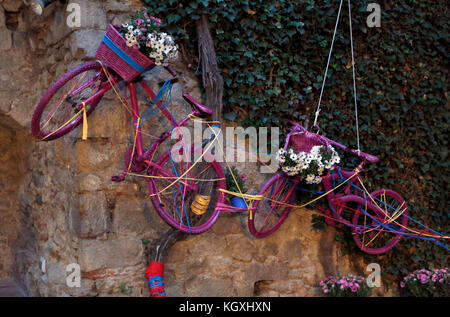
309	166
142	32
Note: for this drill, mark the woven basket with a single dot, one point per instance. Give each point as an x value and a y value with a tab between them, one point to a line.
115	62
304	141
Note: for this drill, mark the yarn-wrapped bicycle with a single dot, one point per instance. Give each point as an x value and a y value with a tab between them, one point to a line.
175	186
377	220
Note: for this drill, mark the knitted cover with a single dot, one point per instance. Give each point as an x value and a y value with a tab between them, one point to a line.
118	64
155	279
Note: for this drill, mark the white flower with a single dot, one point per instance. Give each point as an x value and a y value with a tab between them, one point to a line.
308	159
336	159
293	157
131	42
316	149
317	179
310	179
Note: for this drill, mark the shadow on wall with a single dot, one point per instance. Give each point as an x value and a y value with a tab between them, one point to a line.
15	147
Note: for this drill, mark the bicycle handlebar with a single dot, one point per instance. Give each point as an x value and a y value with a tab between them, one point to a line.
365	156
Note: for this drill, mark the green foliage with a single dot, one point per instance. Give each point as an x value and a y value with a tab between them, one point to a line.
273	54
235	182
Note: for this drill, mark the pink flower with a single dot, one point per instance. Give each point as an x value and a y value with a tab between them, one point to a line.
157	21
244	177
402	285
138	22
325	291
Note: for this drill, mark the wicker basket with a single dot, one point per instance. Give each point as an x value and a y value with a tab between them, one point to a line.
304	141
128	70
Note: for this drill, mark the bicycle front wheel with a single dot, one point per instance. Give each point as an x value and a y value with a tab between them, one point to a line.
185	193
270	212
59	110
379	222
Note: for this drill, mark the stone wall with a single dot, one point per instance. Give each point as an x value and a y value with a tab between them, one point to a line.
60	207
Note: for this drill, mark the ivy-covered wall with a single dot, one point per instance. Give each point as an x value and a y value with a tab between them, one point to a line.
273	54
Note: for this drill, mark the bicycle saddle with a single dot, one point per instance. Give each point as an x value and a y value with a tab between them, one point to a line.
197	106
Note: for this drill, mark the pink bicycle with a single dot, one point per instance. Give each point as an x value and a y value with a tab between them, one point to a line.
377	220
183	193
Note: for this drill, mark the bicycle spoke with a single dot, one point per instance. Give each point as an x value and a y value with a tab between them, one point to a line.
72	93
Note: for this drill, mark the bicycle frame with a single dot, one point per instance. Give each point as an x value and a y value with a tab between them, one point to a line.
141	158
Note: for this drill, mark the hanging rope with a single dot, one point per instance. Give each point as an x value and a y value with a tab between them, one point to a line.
353	71
328	64
354	76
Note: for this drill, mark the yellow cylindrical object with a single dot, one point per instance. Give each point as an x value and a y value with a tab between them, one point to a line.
200	204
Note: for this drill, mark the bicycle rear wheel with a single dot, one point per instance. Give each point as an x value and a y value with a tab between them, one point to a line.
58	112
269	214
378	229
185	193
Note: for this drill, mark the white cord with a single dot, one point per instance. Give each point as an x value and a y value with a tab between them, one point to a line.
328	64
354	76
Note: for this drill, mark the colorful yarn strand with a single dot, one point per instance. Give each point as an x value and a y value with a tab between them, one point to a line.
154	275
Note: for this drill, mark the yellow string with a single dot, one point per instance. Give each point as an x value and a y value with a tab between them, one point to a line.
260	197
413	231
134	146
187	171
195	118
113	87
85	122
248	205
68	121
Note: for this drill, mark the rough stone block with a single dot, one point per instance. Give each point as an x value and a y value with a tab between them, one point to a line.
12	5
94	215
209	286
93	14
58	29
84	43
123	6
129	217
89	182
120	252
5	34
95	156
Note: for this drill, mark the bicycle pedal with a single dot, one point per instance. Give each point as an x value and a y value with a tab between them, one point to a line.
118	178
